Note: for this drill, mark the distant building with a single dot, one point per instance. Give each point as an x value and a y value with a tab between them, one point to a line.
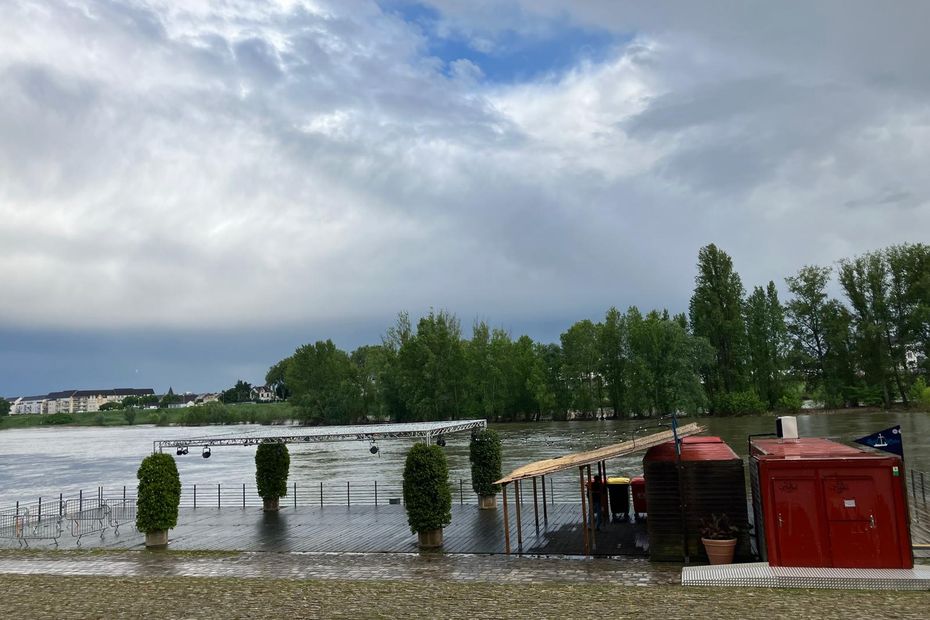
262	394
73	401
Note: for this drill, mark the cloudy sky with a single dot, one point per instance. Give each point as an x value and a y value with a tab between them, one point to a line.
190	190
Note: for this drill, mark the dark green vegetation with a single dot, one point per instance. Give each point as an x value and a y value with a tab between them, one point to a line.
427	494
485	457
159	493
272	462
732	354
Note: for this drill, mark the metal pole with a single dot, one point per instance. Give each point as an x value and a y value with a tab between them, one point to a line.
584	512
461	492
40	508
195	496
243	495
506	521
80	500
376	492
545	513
17	507
61	504
124	493
535	506
519	497
348	495
321	494
295	496
219	495
923	489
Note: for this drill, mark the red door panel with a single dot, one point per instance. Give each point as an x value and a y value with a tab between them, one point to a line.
863	532
796	523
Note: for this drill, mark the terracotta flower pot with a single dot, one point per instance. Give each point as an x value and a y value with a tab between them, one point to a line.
430	539
719	551
487	502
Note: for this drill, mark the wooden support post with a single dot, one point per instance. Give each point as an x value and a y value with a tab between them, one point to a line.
518	495
584	511
535	506
591	510
545	513
506	521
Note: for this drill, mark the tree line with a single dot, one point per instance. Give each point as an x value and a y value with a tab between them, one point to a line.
732	353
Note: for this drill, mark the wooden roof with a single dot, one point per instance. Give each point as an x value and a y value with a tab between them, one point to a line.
580	459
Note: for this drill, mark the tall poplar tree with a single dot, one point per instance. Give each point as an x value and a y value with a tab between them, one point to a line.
716	314
767	340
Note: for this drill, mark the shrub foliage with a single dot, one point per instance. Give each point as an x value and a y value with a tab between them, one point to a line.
272	462
426	488
485	456
159	493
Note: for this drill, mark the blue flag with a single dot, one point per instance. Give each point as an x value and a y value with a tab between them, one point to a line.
888	440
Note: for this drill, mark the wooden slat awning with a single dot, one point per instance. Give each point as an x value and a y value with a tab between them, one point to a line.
579	459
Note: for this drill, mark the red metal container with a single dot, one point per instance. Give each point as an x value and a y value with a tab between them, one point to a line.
638	486
820	503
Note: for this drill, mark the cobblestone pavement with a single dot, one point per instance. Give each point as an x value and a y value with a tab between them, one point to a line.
206	598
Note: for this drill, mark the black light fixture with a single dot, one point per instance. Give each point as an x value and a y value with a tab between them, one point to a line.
373	449
180	451
440	442
184	450
206	452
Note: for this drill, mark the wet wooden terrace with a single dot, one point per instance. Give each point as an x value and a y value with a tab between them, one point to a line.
365	529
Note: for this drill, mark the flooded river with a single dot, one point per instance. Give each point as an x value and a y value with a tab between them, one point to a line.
48	461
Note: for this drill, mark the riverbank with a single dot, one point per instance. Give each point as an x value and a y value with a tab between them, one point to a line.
141	585
220	414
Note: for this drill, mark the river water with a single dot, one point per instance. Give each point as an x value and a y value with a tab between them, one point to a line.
47	461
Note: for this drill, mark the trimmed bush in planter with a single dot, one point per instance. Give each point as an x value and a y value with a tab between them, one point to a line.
427	493
485	456
272	462
159	496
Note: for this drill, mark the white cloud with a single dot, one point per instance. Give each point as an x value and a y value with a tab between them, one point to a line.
247	163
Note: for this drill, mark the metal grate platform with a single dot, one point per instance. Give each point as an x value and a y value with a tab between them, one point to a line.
761	575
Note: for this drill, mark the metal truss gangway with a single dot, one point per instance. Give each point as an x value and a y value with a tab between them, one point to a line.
426	431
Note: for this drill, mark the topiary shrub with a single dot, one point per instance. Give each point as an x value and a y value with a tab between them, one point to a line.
426	488
485	457
272	462
159	494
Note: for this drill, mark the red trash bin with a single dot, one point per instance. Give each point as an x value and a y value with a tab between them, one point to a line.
638	486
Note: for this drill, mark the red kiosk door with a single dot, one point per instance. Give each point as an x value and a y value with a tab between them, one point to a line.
795	522
862	527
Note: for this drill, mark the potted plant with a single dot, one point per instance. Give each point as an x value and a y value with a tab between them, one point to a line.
272	462
158	498
485	456
719	538
427	494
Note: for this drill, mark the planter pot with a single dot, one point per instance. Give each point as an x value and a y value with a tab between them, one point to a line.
719	551
156	540
271	504
487	502
430	539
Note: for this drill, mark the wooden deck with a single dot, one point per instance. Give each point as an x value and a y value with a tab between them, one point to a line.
366	529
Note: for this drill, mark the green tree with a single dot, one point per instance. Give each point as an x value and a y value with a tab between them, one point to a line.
614	344
159	493
5	407
239	393
432	368
427	495
581	367
276	379
716	314
546	382
272	464
323	384
767	341
485	458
